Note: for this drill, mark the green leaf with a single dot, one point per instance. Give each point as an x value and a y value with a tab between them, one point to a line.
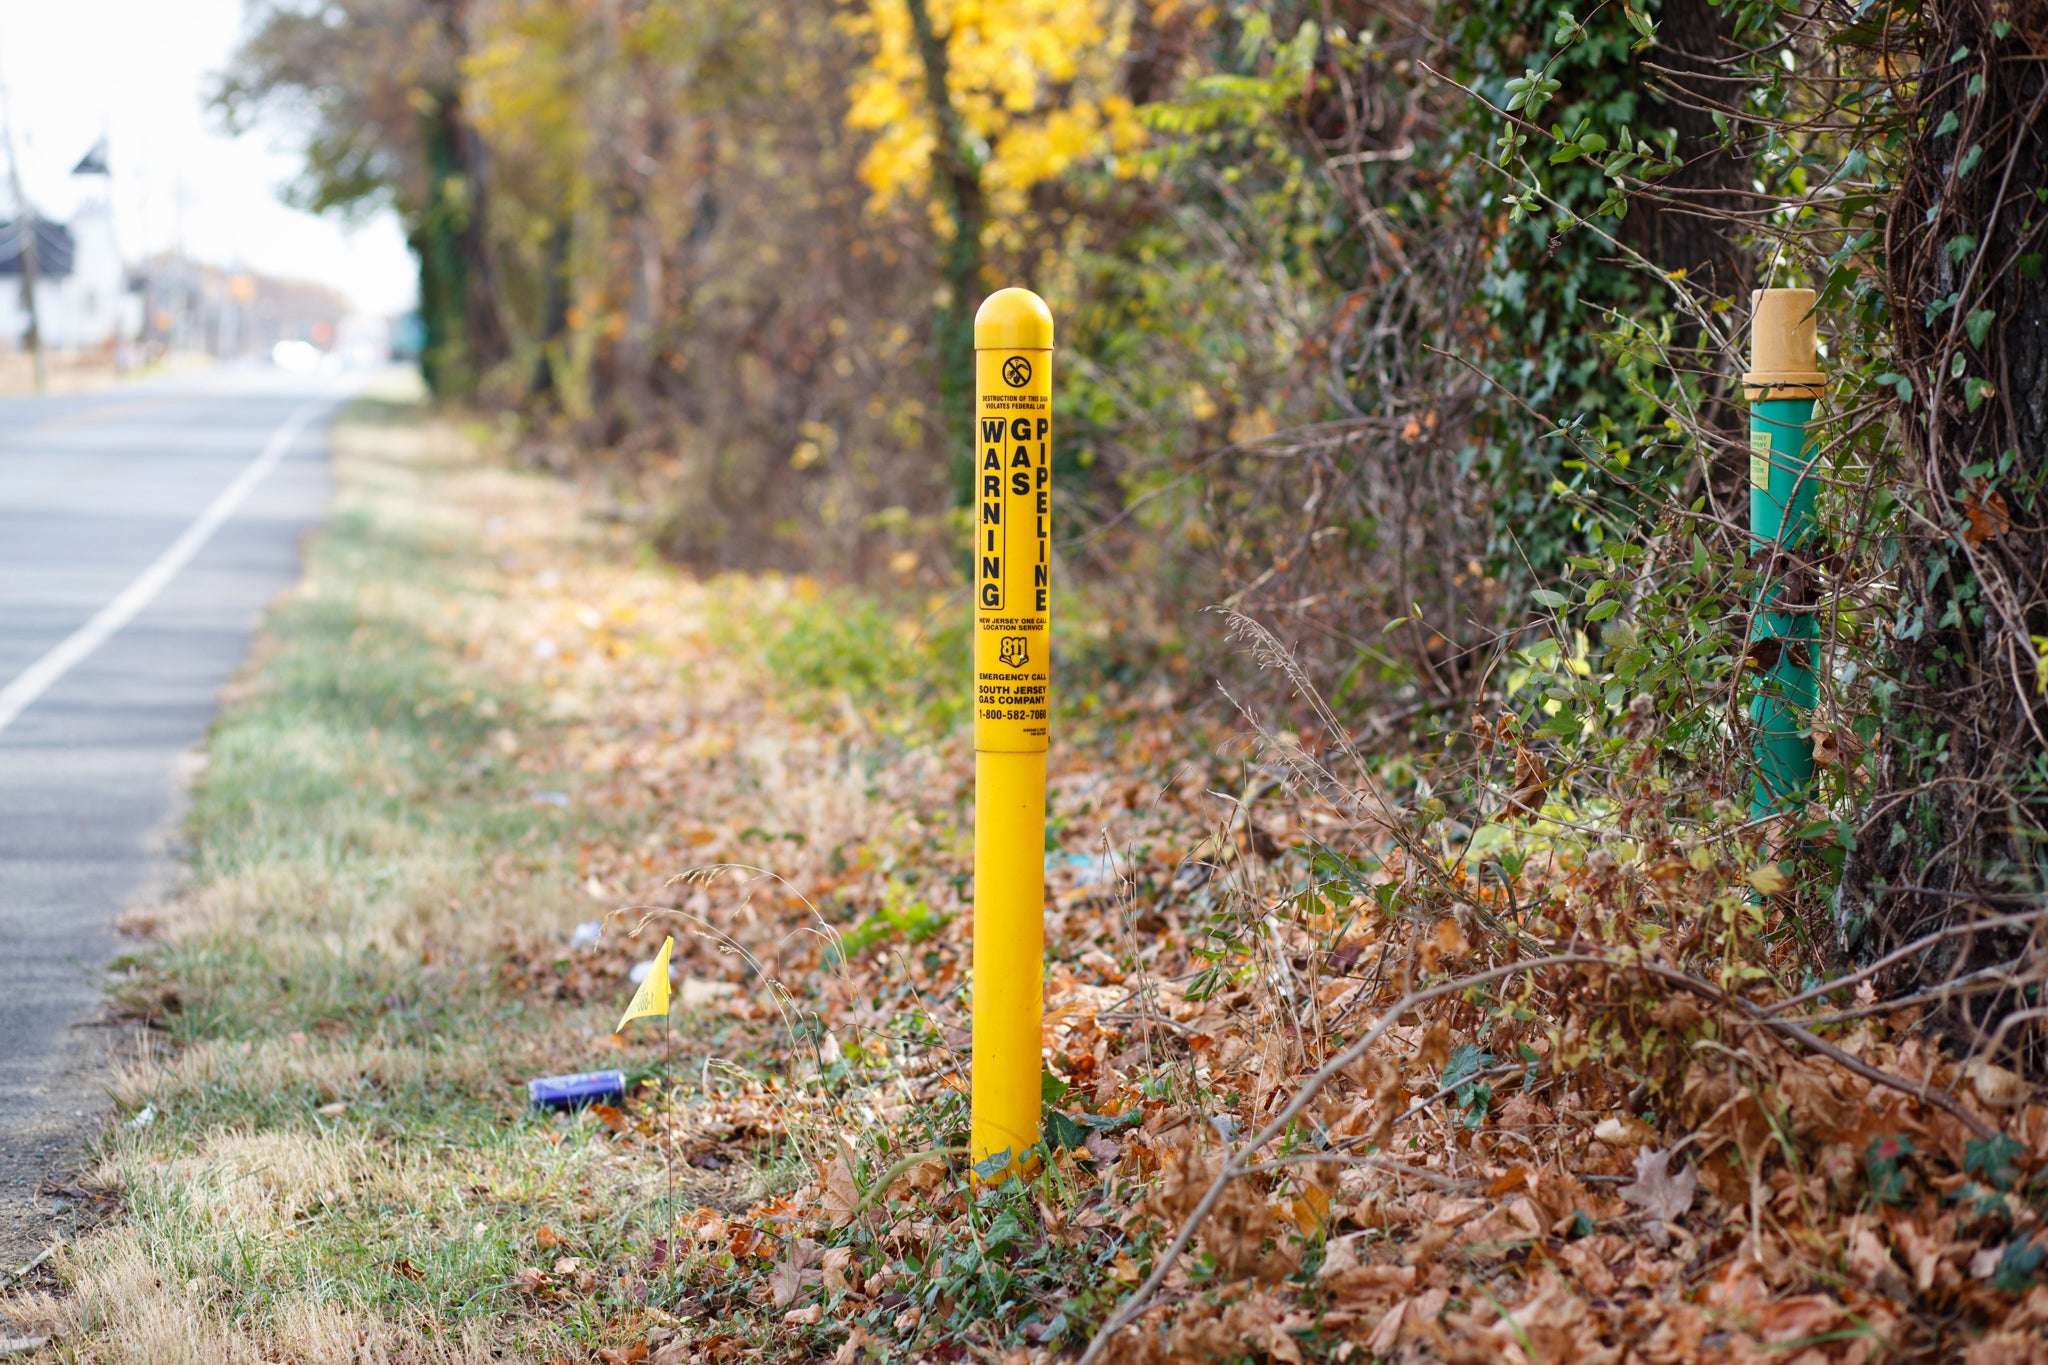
1005	1231
1975	391
1051	1088
1467	1060
1471	1096
1556	601
1969	160
1113	1123
1062	1131
1976	86
1994	1158
1978	325
1881	1169
994	1164
1949	123
1960	246
2018	1266
1604	610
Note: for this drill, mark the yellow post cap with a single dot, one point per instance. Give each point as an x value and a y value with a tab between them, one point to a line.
1781	339
1013	320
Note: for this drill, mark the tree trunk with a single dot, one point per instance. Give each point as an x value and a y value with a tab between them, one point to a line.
1955	829
466	334
1687	221
957	170
1684	223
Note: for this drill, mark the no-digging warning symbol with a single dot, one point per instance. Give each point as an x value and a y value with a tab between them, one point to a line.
1016	372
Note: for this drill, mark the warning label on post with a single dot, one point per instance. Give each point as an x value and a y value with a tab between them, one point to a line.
1012	550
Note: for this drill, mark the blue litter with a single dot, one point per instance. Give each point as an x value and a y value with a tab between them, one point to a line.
573	1092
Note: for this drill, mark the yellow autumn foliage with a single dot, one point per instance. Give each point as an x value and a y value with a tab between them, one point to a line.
522	83
1034	82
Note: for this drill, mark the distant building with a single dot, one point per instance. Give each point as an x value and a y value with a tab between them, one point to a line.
83	293
190	306
91	304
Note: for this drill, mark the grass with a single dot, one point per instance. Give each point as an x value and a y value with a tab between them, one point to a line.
336	1158
481	720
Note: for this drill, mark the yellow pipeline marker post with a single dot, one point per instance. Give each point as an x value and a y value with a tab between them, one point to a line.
1012	711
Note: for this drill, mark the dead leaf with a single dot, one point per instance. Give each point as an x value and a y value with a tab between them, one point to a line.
1986	508
1996	1086
1662	1196
1532	782
1618	1130
1797	1319
1873	1264
839	1275
841	1200
794	1271
850	1350
1102	1148
609	1117
1435	1049
548	1238
1456	1211
1769	879
1388	1333
1835	745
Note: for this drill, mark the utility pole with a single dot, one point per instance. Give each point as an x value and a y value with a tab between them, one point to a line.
25	225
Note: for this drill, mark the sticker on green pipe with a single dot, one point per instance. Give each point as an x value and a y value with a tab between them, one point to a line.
1760	456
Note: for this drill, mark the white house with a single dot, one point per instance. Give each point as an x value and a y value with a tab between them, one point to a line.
83	293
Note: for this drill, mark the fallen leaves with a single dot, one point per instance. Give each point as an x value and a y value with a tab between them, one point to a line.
1531	1212
1663	1196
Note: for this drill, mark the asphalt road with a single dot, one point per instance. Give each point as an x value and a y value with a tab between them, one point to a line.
142	532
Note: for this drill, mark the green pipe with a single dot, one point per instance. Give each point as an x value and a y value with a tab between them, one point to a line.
1782	387
1781	518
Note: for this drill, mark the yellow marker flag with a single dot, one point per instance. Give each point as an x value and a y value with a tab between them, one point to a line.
652	997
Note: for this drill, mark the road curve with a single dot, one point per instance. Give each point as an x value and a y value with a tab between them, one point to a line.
142	531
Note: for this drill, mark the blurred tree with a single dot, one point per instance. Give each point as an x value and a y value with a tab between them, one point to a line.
378	86
974	103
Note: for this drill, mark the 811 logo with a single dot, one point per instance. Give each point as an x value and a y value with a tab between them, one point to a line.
1015	651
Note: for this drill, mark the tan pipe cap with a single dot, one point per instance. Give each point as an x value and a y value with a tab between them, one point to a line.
1781	340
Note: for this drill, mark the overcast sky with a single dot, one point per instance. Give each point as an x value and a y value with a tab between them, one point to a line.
137	70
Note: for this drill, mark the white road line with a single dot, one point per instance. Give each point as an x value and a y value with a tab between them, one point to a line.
40	676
